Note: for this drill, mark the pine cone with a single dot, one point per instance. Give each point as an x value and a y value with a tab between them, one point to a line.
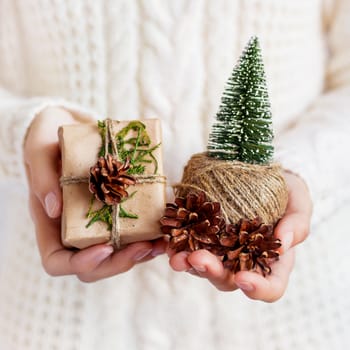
254	249
192	223
109	180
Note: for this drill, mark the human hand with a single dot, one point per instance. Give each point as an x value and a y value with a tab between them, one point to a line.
42	163
292	229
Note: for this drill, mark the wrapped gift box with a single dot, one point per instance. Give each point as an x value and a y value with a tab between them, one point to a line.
80	147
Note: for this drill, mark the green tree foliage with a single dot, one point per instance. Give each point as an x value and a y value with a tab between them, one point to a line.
243	127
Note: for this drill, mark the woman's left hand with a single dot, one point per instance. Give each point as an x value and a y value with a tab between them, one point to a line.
292	229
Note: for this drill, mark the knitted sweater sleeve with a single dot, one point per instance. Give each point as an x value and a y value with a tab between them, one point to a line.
316	146
16	114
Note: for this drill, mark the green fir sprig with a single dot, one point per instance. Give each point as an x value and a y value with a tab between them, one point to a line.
243	128
133	143
135	147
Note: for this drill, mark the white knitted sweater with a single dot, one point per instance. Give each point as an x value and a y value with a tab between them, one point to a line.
169	59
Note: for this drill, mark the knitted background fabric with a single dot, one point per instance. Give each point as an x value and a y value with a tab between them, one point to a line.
170	59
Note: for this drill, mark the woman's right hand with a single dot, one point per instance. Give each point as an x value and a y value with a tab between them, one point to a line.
42	160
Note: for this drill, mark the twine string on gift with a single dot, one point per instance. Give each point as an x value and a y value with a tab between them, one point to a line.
110	141
140	179
115	232
70	180
111	148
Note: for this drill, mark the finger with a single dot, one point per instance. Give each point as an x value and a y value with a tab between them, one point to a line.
204	264
90	263
44	177
170	252
178	261
271	287
42	155
209	266
299	200
121	261
159	247
65	262
294	227
55	258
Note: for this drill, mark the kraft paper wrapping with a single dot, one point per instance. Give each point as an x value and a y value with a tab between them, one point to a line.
80	145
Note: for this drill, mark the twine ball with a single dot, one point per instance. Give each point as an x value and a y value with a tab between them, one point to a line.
243	190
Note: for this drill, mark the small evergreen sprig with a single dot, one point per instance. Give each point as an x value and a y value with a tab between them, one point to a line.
135	147
104	214
243	128
133	143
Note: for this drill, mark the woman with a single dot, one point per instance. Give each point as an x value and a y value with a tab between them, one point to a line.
69	62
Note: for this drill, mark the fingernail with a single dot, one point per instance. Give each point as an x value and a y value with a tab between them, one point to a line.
157	251
287	240
199	268
141	254
104	253
51	204
245	286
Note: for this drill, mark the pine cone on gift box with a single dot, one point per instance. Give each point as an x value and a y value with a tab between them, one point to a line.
109	179
194	223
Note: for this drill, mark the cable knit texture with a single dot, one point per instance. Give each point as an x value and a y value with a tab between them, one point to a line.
170	59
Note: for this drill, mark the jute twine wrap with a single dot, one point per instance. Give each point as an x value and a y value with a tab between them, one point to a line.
140	179
109	139
244	190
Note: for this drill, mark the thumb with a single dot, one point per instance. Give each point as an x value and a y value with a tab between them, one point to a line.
294	227
44	178
42	158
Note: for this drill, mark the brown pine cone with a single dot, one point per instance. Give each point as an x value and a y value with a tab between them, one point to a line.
192	223
255	246
109	179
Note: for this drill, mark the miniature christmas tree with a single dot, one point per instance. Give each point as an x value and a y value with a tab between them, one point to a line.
243	130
